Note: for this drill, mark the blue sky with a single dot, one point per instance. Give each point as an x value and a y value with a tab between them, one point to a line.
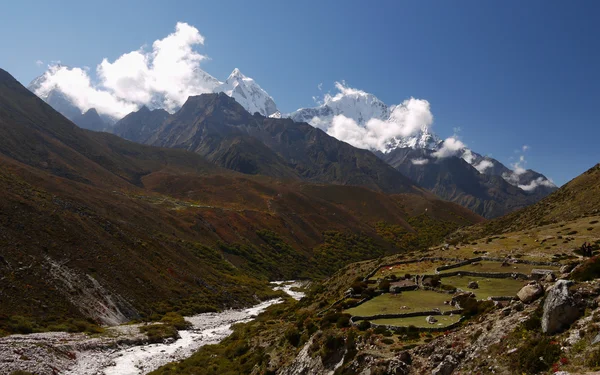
506	73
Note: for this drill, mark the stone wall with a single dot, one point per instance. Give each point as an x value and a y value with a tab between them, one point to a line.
422	329
490	259
355	319
423	259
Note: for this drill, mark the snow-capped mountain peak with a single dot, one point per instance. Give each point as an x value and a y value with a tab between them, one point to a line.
248	93
385	127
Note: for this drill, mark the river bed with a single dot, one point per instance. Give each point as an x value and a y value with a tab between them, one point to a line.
125	353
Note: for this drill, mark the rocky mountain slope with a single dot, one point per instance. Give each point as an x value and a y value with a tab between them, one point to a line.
219	128
452	178
90	120
141	125
94	226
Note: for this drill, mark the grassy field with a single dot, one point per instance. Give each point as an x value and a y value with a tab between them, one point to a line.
497	267
419	321
411	268
487	287
418	300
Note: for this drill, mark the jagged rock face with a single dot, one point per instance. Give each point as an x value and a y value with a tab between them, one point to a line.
560	308
530	293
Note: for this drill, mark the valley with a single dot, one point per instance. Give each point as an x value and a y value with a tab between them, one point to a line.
158	220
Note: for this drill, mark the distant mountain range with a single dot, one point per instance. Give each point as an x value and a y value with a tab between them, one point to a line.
257	145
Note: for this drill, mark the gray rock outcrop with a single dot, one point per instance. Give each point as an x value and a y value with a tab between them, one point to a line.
560	308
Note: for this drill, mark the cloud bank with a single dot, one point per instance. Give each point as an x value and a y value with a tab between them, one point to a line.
421	161
164	75
365	122
452	146
540	181
483	165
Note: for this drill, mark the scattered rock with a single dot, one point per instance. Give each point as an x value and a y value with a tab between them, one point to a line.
567	268
446	367
550	278
530	292
506	311
397	367
473	285
430	319
560	308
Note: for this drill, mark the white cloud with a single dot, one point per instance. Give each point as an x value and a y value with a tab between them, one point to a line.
451	147
365	122
347	130
483	165
76	84
519	166
525	148
540	181
422	161
166	75
39	63
320	86
468	155
406	120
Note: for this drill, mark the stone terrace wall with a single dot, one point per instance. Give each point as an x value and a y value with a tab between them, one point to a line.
491	275
491	259
423	259
357	318
422	329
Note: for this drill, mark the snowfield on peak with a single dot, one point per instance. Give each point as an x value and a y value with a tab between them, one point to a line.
249	94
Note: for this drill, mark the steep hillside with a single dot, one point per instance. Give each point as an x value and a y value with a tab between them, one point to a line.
92	225
578	198
210	124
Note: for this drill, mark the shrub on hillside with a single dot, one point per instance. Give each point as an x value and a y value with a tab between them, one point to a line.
536	355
